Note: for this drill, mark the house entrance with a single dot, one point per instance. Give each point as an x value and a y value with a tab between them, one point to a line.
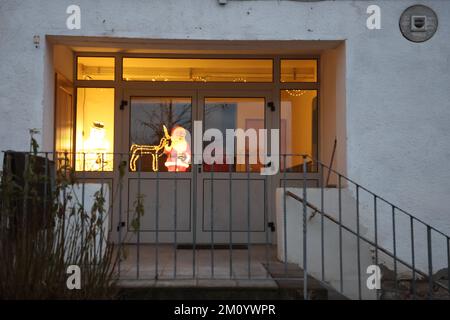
130	109
182	201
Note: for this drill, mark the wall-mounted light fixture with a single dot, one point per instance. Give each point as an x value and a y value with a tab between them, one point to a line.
418	23
36	40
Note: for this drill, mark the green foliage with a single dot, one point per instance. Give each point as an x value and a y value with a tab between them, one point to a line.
139	212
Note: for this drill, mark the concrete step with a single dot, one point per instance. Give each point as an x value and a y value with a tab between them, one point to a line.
290	276
211	293
285	283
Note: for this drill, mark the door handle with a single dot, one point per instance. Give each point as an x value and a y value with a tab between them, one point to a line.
123	104
199	169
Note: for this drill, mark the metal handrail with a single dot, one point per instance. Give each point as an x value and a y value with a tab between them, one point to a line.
377	196
385	251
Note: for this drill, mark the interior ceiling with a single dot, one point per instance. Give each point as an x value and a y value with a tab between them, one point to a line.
132	45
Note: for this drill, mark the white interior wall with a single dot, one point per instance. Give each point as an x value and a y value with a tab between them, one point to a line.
332	110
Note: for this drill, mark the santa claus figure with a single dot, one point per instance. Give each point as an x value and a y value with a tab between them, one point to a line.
178	151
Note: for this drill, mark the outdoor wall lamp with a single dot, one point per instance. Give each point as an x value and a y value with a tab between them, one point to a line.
36	40
418	23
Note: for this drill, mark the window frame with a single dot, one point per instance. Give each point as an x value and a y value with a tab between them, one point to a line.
300	86
200	58
300	59
89	56
274	87
129	142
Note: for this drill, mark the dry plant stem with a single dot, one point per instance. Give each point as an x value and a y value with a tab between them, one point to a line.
40	236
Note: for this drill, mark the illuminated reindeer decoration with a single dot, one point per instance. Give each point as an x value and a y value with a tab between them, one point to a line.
137	150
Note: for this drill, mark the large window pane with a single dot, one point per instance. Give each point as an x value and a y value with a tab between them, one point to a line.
95	129
298	71
95	68
150	146
202	70
298	128
234	113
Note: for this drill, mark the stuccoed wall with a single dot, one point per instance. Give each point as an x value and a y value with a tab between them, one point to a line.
397	92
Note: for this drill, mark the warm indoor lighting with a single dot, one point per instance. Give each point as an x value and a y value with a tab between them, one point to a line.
95	129
295	93
298	125
178	151
155	151
301	70
95	148
175	146
95	68
197	70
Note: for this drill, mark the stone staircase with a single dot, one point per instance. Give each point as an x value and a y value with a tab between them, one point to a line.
288	280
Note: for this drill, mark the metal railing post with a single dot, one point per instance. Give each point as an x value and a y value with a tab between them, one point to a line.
322	231
83	192
430	264
305	247
266	227
46	174
285	217
157	227
100	214
249	250
394	245
194	216
341	271
413	258
375	213
138	248
119	225
230	213
175	242
212	218
358	249
448	264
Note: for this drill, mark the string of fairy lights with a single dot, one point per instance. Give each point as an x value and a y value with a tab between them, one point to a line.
296	92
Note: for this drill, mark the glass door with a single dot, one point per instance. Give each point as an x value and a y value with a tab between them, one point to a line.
158	178
232	195
168	197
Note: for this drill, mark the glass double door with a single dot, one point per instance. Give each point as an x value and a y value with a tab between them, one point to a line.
186	181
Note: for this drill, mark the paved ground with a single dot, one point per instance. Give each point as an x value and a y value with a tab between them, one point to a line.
213	268
219	274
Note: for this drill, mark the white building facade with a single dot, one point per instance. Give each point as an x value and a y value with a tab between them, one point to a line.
383	98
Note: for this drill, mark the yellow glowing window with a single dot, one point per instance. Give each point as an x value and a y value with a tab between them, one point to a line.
95	129
201	70
299	131
95	68
298	71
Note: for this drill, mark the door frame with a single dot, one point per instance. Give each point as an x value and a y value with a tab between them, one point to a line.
197	233
121	86
158	235
229	236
